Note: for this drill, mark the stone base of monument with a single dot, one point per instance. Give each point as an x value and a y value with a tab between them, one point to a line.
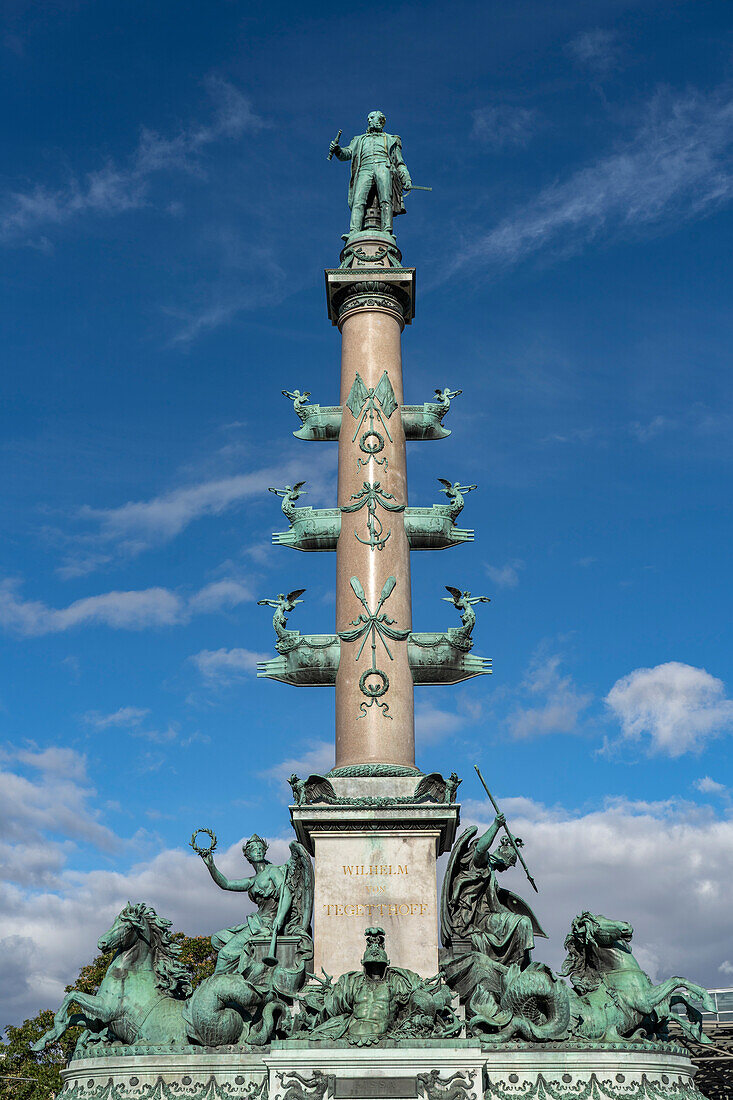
628	1072
192	1072
429	1069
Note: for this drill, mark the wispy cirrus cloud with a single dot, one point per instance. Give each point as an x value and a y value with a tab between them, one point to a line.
136	526
507	575
117	188
597	50
263	284
224	666
316	759
502	125
677	166
133	610
122	718
551	702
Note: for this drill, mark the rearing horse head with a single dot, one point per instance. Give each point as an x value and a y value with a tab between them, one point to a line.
589	934
141	922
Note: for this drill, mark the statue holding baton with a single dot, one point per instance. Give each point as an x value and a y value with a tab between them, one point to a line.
377	166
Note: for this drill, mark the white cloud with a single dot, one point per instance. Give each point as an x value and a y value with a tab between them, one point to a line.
675	167
596	50
503	125
114	189
644	432
562	703
707	785
226	665
265	284
318	759
433	724
123	718
48	934
139	525
634	861
54	761
218	595
136	610
119	610
676	706
505	576
54	799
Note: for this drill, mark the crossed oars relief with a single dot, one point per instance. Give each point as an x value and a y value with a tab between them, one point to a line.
373	682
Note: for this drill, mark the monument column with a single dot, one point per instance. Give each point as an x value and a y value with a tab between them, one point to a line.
374	686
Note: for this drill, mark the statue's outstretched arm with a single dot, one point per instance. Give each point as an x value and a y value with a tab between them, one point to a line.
344	152
483	844
242	884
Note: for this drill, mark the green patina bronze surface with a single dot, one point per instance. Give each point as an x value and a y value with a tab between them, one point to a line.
284	899
488	933
429	788
312	660
322	423
145	997
375	1003
376	166
318	529
374	626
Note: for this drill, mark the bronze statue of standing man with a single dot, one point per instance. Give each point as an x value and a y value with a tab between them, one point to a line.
376	161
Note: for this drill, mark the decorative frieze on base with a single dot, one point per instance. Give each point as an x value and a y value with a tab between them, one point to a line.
589	1073
428	1069
194	1074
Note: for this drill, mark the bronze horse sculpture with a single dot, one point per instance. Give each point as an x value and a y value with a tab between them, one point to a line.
614	998
145	997
610	998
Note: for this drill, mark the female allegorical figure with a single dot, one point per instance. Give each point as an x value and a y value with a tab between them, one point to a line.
283	896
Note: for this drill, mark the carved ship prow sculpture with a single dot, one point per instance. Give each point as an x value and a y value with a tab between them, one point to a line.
322	423
312	660
318	529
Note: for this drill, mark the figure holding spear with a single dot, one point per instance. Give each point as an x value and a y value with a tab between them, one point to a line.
476	910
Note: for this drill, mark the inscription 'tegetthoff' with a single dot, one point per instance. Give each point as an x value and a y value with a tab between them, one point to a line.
375	869
378	909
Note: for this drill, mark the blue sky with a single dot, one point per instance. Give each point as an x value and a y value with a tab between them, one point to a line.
166	212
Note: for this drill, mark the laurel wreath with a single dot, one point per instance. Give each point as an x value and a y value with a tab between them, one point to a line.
203	851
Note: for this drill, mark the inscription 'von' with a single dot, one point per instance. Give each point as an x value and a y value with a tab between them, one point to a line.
375	869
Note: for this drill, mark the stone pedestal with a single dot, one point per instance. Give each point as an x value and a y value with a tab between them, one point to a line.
626	1071
191	1073
375	865
386	1072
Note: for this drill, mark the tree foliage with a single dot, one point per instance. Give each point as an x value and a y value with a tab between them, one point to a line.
28	1076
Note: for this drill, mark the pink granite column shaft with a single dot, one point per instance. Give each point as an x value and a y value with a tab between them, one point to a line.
373	728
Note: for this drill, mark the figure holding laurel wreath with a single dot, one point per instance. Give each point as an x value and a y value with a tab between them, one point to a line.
284	899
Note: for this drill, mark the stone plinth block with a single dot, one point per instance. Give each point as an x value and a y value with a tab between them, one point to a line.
376	866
